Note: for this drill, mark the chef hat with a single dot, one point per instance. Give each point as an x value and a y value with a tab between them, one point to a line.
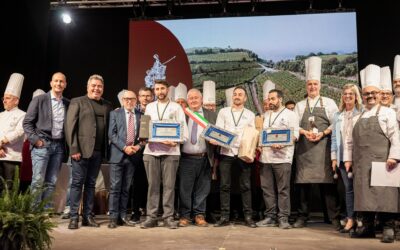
180	91
396	68
313	68
267	86
229	96
371	76
120	96
37	93
171	93
209	92
386	79
14	85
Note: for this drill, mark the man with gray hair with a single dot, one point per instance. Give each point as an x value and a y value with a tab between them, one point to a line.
197	157
86	134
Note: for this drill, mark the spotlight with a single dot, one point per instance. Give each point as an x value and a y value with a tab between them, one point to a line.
66	18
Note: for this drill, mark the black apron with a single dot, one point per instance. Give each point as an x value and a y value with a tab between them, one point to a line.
313	159
370	144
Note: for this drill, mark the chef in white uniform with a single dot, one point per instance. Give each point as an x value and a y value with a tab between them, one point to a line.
11	131
209	101
386	88
181	95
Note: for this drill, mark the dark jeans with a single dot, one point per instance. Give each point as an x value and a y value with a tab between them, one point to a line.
194	185
161	170
7	170
84	172
225	166
121	176
348	186
275	181
329	196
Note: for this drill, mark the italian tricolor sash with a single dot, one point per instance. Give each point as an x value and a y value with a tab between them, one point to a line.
196	117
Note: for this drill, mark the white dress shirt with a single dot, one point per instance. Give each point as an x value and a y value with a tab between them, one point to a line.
12	130
172	111
330	107
390	127
226	121
283	120
200	146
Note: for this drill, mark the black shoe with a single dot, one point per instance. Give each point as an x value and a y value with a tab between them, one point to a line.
89	222
113	223
223	221
336	224
126	222
388	235
267	222
363	232
73	224
135	218
300	223
170	223
149	223
284	223
248	221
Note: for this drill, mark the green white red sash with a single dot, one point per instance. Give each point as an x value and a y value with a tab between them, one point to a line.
196	117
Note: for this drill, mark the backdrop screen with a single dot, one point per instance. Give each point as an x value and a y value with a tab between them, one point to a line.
245	51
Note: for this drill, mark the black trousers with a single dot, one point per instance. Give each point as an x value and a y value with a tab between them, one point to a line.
368	219
225	167
275	183
7	170
329	196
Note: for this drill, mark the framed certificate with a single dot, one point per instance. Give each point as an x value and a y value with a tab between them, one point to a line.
223	137
165	131
278	136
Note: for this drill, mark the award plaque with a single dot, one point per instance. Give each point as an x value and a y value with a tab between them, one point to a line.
223	137
277	136
165	130
144	127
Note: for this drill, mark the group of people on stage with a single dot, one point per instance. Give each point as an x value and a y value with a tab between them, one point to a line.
329	142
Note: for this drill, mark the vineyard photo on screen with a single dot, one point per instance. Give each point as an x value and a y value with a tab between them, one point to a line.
248	51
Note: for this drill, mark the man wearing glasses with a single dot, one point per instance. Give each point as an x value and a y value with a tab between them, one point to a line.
124	157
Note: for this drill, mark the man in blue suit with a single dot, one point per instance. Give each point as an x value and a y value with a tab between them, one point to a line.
124	157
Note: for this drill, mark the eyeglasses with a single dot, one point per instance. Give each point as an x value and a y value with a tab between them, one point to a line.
373	93
7	98
386	94
129	99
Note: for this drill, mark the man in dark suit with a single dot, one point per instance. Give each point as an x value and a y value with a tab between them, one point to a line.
86	133
197	158
125	155
44	127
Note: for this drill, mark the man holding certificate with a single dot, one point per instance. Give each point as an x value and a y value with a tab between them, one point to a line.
316	115
375	139
277	160
234	119
161	159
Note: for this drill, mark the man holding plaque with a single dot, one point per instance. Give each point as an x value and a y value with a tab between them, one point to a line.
313	160
234	119
161	159
277	160
375	139
197	157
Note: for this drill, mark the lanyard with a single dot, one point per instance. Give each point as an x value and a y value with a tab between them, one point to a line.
312	109
270	114
162	115
233	117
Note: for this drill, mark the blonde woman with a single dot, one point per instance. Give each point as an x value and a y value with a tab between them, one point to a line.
341	147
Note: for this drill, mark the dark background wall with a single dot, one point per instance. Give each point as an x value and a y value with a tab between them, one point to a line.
36	43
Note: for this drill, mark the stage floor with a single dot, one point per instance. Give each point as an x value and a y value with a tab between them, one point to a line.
315	236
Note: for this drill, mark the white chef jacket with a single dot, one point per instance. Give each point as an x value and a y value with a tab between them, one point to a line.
226	121
283	120
172	111
11	128
330	107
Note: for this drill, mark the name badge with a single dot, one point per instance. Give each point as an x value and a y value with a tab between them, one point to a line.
311	119
315	131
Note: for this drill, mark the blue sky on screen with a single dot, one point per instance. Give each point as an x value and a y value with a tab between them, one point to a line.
271	37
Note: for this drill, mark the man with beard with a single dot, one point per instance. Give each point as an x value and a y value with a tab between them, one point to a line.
235	119
161	159
375	139
313	160
277	160
86	134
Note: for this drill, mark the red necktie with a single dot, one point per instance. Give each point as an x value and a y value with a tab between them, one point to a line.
130	138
